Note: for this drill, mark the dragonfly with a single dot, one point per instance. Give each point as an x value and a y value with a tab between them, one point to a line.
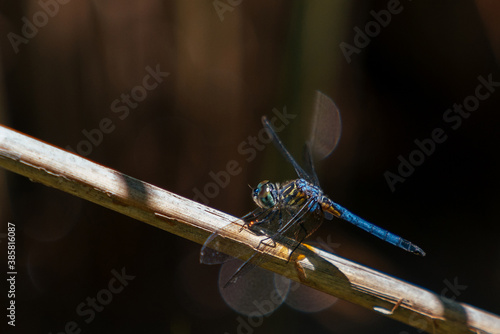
295	209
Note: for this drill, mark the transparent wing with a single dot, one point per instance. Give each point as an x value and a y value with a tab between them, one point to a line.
309	165
266	220
253	293
209	253
295	224
276	224
279	145
326	127
303	222
264	223
298	225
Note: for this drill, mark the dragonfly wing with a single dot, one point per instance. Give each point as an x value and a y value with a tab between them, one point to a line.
299	224
279	145
310	221
302	222
267	223
258	221
326	126
309	165
243	269
209	253
251	291
282	224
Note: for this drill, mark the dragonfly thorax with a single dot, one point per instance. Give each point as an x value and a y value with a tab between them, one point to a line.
292	193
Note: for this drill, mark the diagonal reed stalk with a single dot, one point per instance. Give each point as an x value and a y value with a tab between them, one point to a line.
418	307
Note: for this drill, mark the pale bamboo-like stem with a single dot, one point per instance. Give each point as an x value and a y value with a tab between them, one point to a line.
323	271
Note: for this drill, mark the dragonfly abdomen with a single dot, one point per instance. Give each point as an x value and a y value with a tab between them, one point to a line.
373	229
298	192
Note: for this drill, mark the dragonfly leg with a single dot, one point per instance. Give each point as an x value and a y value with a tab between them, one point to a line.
257	220
302	227
269	216
264	241
242	270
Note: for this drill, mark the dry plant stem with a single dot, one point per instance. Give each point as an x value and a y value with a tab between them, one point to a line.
326	272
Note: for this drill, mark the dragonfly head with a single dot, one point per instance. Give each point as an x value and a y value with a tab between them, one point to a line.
265	195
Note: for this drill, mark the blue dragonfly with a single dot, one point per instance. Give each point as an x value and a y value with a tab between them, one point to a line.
296	208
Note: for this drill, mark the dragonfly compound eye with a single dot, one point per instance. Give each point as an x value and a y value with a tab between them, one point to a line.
265	194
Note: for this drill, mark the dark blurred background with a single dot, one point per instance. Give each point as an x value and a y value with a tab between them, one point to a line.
66	66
